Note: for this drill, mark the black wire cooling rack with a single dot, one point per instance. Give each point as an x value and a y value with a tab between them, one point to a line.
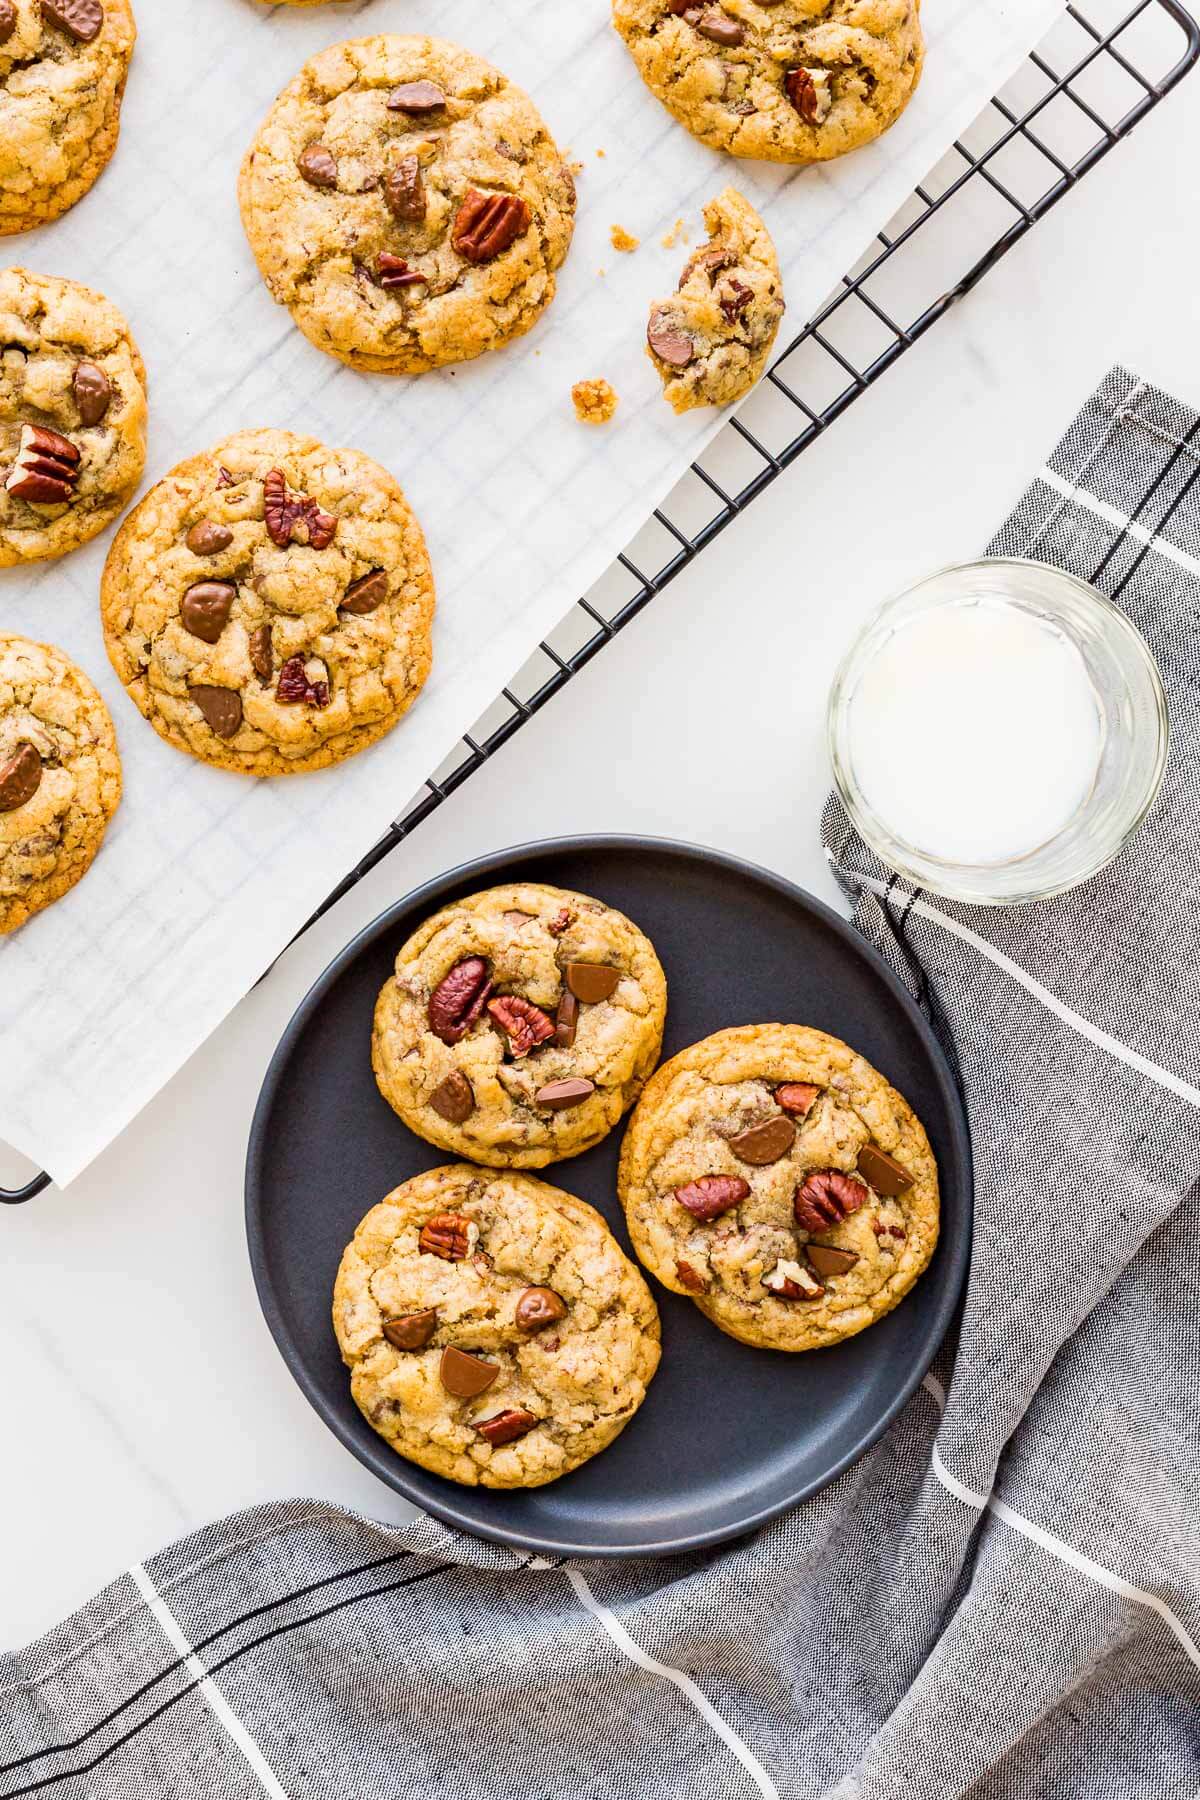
1100	71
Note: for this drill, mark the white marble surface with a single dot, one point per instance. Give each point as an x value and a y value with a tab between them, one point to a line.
141	1393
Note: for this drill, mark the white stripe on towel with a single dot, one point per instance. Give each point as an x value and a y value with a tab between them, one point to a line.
217	1704
1115	1048
1112	515
684	1683
1056	1546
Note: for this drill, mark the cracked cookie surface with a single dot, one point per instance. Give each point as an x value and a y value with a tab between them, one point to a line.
406	203
552	1334
794	81
60	776
68	367
62	77
711	339
519	1089
779	1181
268	605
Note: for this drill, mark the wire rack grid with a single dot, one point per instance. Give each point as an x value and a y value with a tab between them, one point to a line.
1102	69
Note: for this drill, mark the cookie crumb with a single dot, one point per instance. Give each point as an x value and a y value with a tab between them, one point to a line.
595	401
622	239
600	153
678	234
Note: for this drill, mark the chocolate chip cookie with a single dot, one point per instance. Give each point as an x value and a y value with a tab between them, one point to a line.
72	415
63	65
710	341
520	1024
793	81
269	604
60	777
495	1331
406	203
773	1176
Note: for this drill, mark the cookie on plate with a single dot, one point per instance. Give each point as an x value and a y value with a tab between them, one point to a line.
60	777
519	1025
773	1176
407	204
72	415
710	341
268	605
794	81
63	65
495	1331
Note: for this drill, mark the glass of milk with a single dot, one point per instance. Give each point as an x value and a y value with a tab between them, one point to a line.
998	732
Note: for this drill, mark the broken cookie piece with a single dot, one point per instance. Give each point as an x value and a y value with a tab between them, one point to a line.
595	401
710	341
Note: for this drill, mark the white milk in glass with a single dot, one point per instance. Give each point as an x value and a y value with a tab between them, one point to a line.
974	732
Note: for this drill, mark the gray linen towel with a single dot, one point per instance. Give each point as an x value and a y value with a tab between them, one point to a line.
1001	1601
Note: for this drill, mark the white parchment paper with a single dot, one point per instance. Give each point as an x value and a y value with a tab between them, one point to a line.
205	876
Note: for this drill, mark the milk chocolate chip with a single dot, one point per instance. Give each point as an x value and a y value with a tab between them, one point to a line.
591	982
558	1095
20	778
883	1172
262	655
93	392
466	1376
539	1307
205	608
404	191
82	19
365	594
416	97
826	1259
765	1143
208	539
318	166
566	1020
222	708
413	1330
454	1100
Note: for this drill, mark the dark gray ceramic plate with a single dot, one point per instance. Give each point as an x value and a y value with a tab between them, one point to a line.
728	1436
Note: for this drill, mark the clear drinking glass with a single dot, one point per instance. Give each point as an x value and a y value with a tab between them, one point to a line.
1133	732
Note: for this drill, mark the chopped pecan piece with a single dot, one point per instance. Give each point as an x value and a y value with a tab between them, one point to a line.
393	272
560	921
810	92
262	654
524	1024
296	689
449	1236
712	1195
790	1281
797	1097
487	224
404	191
691	1277
46	469
505	1427
294	518
826	1197
458	999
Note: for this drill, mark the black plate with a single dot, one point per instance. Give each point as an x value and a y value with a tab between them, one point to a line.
728	1436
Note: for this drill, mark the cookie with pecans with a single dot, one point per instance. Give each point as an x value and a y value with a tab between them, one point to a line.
710	341
520	1024
407	204
63	65
269	604
60	777
72	415
795	81
495	1331
779	1181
